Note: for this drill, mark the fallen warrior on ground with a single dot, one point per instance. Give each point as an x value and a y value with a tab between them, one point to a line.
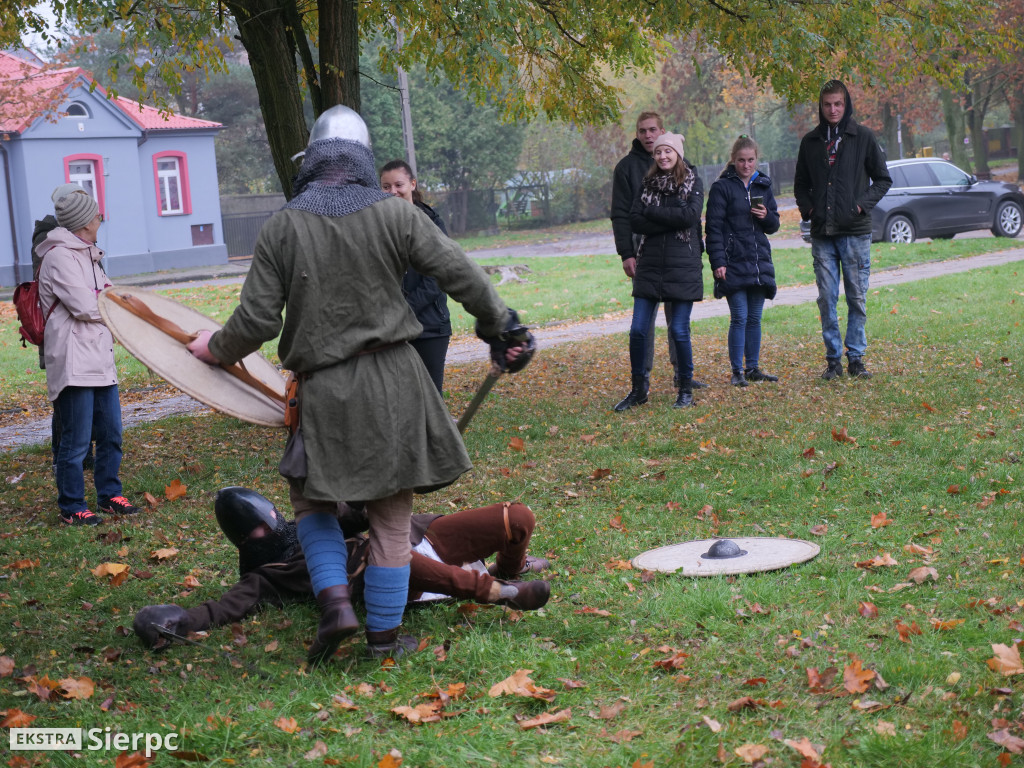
447	561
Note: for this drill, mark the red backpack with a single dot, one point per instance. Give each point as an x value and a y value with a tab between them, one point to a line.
30	312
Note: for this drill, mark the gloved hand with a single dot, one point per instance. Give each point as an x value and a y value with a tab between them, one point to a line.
172	617
515	339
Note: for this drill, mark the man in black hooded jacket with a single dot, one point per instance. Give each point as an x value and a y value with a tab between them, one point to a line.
840	176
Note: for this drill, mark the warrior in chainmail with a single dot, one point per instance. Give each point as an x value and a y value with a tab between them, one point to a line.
372	423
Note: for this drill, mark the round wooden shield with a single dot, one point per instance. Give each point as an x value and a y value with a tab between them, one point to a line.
762	554
168	357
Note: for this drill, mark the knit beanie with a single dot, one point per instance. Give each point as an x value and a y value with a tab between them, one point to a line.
63	189
75	210
674	140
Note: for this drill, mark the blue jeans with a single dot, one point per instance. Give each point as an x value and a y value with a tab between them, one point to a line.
642	330
745	308
852	254
88	413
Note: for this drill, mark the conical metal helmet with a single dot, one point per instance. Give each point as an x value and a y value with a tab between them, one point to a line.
340	122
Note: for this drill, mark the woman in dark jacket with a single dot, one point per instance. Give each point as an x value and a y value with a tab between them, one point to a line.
668	264
741	214
426	299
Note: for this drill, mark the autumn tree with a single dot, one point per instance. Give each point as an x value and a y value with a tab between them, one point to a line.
528	55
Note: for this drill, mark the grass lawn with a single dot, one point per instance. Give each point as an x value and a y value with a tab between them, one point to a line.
872	668
508	237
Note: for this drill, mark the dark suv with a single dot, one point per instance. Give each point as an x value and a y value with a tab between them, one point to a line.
933	198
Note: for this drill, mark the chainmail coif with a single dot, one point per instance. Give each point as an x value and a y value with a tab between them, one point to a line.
337	177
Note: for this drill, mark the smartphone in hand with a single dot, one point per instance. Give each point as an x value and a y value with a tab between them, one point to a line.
756	200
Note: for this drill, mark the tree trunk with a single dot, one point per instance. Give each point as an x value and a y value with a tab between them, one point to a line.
339	53
954	118
1017	103
264	34
974	107
889	137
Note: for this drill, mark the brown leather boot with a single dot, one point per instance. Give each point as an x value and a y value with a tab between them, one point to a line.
527	595
389	644
337	621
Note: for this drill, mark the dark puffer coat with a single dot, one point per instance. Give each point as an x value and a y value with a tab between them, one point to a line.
738	240
669	269
426	299
626	181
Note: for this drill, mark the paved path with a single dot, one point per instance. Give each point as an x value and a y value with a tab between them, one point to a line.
470	350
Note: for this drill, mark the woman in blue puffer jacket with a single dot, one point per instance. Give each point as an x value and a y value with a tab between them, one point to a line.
741	214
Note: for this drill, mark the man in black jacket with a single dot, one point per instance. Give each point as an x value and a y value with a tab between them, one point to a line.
629	172
840	176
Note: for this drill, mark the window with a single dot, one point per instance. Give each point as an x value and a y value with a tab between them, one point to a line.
76	109
918	176
87	172
898	179
170	171
949	175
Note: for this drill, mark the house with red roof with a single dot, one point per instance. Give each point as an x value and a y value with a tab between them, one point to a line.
153	174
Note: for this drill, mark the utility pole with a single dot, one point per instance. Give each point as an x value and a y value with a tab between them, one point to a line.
403	90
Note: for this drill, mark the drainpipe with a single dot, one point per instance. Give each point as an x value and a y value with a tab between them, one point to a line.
10	206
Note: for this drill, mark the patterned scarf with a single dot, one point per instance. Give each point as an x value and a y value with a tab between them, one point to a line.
658	187
337	178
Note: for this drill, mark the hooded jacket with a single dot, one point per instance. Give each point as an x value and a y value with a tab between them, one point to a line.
829	195
736	239
626	181
668	268
79	349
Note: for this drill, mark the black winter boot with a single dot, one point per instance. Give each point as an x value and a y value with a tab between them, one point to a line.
637	395
337	621
756	374
834	370
857	369
738	379
685	398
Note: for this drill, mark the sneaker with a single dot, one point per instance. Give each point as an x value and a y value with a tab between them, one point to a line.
84	517
756	374
738	379
119	505
834	370
532	565
858	370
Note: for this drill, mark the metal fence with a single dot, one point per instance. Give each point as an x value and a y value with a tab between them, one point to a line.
241	230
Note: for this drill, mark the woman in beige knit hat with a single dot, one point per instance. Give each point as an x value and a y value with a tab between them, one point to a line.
81	378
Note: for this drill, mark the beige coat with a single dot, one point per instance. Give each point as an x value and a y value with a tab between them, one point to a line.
79	349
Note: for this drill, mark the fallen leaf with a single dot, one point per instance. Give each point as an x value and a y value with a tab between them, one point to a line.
623	736
744	702
917	549
840	436
520	684
287	724
675	660
959	731
867	610
271	646
856	679
6	666
77	687
751	753
175	490
108	569
392	759
340	701
877	562
821	682
922	574
804	748
421	713
608	711
880	520
1006	660
517	444
953	490
597	474
944	626
808	453
15	718
885	728
132	760
163	554
1007	741
24	563
616	523
819	530
151	500
906	631
593	611
319	750
714	725
753	682
568	683
545	718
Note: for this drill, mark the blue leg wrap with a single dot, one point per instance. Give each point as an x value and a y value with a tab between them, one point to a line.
323	544
385	593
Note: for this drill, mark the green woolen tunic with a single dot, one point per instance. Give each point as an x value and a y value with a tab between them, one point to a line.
373	424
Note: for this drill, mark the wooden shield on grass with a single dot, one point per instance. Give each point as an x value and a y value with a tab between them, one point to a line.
763	553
